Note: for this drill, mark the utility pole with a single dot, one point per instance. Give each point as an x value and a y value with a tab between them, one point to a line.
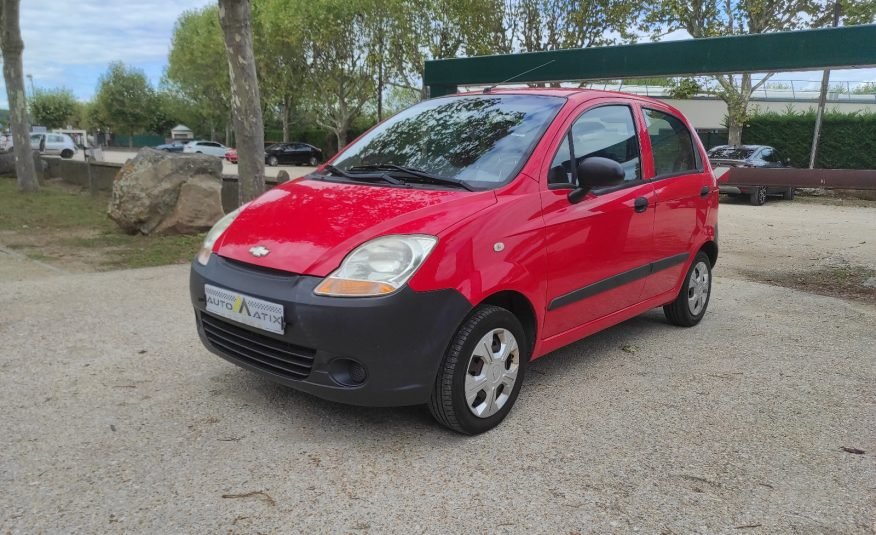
822	98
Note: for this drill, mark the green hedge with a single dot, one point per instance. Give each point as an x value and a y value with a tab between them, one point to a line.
848	140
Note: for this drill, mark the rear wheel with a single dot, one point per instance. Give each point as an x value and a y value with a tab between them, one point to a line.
482	372
272	161
690	305
788	194
758	197
67	153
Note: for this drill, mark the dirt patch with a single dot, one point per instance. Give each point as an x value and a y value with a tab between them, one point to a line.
821	247
850	282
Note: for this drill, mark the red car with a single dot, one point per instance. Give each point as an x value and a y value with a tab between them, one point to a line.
437	255
231	155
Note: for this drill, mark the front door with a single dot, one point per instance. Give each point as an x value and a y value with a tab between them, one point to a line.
598	249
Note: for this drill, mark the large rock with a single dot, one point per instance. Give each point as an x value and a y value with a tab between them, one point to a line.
166	192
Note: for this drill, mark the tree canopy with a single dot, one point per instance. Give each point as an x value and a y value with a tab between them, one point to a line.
53	108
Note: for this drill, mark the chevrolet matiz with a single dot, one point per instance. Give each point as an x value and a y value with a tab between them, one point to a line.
437	255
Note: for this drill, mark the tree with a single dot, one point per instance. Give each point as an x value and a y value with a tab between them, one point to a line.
53	108
279	59
246	111
711	18
124	99
13	74
339	82
197	50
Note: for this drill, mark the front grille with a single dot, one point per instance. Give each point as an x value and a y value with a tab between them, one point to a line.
263	352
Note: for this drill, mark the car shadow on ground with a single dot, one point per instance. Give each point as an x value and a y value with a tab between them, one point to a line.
279	406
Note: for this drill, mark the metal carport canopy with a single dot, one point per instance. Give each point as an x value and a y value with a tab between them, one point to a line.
844	47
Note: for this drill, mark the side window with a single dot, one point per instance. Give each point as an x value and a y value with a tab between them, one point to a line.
608	132
561	168
768	155
671	144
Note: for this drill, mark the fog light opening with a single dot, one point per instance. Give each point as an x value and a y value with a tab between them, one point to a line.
347	372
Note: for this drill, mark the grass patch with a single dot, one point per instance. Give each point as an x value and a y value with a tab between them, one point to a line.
66	226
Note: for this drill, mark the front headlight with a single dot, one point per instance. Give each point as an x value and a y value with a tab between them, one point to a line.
378	267
218	229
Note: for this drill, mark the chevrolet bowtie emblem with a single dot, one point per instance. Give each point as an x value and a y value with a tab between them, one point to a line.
259	251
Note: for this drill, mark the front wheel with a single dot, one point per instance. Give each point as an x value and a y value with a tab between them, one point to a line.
313	161
272	161
690	305
758	197
482	372
67	154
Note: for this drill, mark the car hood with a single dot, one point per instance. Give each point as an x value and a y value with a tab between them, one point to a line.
309	226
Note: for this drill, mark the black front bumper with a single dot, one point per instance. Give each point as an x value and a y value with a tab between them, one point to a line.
399	339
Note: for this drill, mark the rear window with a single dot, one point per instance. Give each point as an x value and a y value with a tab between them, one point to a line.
481	139
731	153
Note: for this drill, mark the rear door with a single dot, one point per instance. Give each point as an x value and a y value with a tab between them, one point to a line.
682	186
598	247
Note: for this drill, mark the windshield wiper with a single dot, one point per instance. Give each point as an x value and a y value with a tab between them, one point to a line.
418	173
358	176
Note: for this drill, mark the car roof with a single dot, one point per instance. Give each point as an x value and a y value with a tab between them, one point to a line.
574	93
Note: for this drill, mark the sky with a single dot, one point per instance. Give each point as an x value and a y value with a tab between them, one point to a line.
70	43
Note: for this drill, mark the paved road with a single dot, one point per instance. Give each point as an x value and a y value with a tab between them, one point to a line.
117	420
121	156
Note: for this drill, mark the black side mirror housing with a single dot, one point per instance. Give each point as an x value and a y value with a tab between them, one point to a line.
594	172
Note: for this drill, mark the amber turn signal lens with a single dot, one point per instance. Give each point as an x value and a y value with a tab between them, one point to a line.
352	288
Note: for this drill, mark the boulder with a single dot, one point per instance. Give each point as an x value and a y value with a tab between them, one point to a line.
159	191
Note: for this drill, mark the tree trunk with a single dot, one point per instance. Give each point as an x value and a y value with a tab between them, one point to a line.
286	100
234	17
13	74
342	138
734	125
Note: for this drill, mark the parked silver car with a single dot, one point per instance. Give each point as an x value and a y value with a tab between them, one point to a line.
206	147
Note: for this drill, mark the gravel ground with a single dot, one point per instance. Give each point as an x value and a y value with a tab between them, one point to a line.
117	420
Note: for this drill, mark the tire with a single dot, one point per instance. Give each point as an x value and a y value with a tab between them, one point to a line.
272	161
314	161
758	197
685	311
468	352
788	194
67	154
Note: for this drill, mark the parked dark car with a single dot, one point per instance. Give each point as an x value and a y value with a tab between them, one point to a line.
293	153
174	146
725	157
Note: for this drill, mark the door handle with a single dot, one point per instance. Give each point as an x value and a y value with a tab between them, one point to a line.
640	204
704	191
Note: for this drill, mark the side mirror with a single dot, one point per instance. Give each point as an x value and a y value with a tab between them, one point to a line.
594	172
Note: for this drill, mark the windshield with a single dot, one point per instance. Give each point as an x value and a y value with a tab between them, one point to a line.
731	153
482	140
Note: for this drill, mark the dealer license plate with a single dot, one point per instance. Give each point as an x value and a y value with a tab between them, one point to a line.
244	309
